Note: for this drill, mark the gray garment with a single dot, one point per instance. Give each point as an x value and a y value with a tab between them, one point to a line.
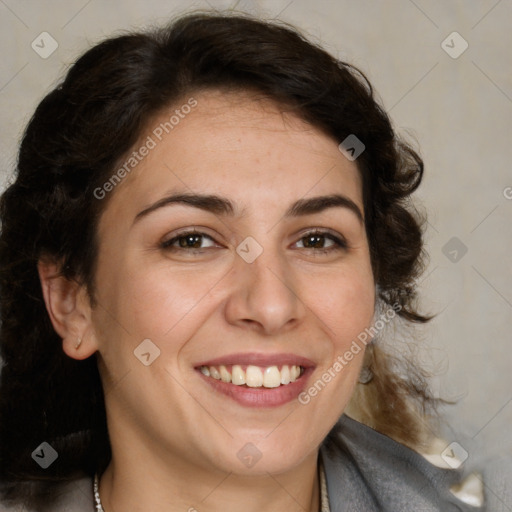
368	472
365	472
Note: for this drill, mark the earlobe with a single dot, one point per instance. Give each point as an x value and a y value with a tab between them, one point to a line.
69	310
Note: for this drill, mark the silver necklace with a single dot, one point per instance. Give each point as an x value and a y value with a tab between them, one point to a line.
99	508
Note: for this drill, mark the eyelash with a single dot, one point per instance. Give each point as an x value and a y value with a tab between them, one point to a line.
341	244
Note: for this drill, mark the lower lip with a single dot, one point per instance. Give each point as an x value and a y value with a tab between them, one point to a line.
260	397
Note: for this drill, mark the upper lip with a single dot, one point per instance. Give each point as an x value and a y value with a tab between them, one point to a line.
259	359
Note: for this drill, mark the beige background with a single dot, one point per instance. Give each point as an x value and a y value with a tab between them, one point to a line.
459	109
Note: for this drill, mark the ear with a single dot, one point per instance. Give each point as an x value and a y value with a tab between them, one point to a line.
69	309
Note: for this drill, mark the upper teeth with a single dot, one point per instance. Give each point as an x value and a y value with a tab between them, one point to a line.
254	376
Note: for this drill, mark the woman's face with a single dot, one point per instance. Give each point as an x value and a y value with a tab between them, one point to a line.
264	285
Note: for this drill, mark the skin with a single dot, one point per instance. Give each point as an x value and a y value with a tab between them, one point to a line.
174	439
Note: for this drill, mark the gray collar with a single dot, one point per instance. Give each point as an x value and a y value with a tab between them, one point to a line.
366	470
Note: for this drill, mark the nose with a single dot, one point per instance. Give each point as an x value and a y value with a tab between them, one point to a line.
265	295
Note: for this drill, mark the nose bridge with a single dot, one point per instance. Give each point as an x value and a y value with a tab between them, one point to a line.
264	289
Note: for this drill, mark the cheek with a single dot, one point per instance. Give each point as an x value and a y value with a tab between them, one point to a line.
345	304
140	302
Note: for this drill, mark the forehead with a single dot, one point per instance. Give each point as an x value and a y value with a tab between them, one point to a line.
237	144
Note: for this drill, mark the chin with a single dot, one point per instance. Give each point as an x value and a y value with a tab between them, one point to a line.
265	452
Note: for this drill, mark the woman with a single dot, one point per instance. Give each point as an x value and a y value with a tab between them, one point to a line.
207	234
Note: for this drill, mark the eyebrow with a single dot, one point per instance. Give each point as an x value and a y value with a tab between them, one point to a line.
222	206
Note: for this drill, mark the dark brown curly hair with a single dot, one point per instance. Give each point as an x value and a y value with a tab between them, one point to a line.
73	142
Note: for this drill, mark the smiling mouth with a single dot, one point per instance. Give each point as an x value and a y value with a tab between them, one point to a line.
254	376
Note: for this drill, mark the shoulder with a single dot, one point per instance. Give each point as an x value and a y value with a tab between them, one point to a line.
366	470
73	496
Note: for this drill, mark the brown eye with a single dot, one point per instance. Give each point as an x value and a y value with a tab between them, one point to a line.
317	240
190	240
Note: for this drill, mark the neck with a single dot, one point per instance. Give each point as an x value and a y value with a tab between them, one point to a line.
139	480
